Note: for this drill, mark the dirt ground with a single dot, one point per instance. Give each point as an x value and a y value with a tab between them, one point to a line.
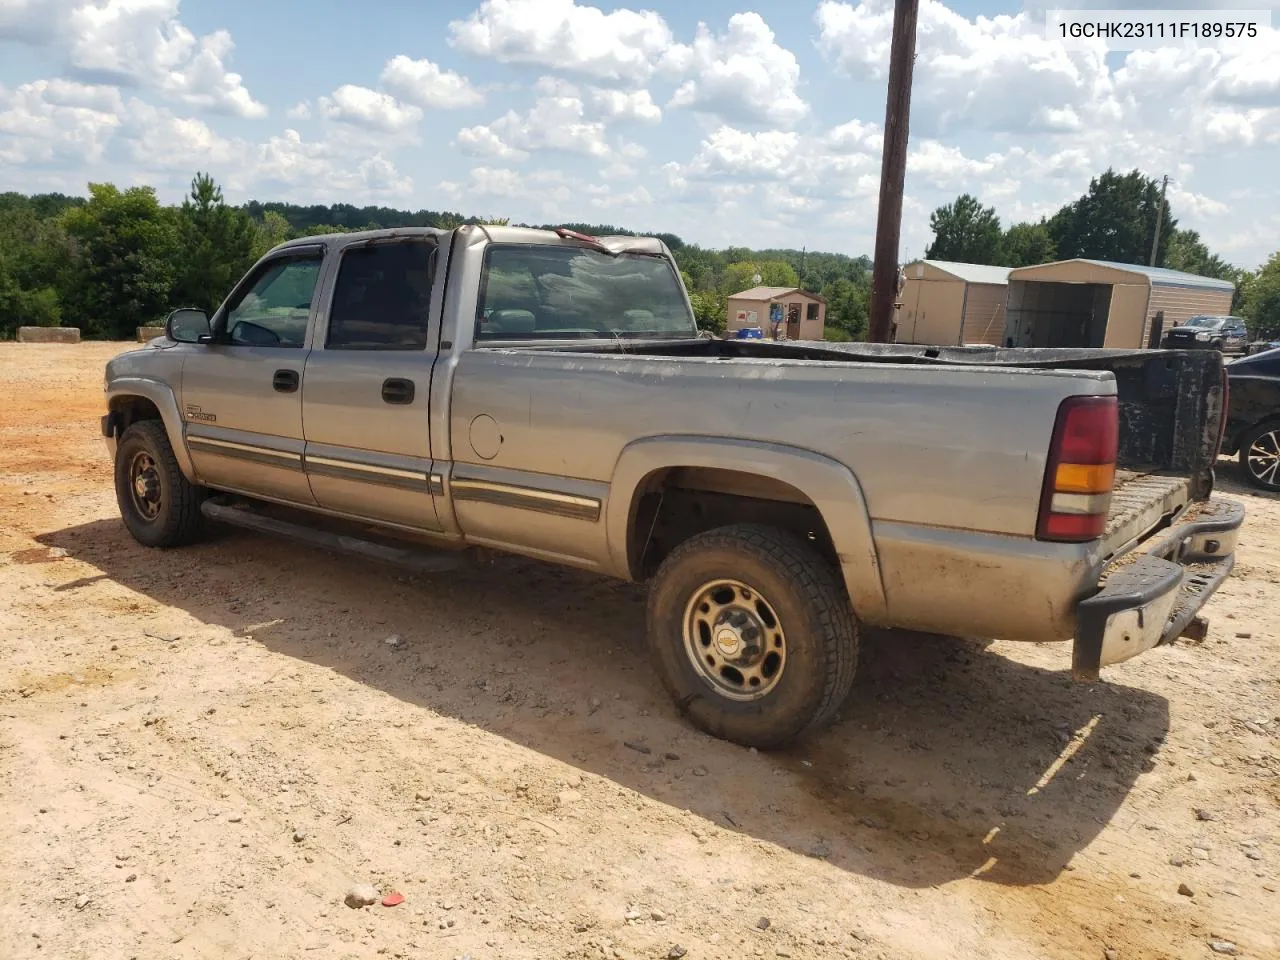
201	751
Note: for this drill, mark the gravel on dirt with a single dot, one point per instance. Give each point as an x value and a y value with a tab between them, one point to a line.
194	709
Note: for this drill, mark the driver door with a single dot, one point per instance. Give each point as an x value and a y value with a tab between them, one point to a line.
241	395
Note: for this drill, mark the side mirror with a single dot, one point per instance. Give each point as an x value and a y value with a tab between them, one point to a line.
187	325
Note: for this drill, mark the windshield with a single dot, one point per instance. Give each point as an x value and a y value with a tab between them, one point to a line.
1204	322
546	292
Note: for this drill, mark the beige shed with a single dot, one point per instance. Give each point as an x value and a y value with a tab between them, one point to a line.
945	303
796	314
1095	303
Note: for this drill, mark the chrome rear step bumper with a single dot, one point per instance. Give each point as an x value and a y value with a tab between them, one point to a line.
1152	596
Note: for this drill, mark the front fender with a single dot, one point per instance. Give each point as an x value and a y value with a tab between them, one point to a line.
162	395
829	485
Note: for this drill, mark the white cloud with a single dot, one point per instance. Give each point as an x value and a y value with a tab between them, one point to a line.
998	73
299	111
369	109
481	141
774	154
623	45
423	84
157	140
626	105
134	43
855	136
604	199
1197	204
741	76
313	170
544	194
947	167
556	122
56	123
33	21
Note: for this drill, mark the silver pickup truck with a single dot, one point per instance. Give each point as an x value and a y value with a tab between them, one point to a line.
410	393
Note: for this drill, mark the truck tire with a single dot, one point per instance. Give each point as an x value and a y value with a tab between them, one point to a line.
158	504
752	635
1260	456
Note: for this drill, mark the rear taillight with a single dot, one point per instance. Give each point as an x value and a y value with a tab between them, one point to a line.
1081	471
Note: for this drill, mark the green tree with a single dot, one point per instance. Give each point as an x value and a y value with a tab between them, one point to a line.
772	273
738	277
124	273
271	232
33	256
847	308
1188	253
1261	300
710	310
1027	244
1114	220
217	246
965	232
1185	251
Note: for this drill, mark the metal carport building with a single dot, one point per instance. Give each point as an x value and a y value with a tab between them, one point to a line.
1095	303
945	303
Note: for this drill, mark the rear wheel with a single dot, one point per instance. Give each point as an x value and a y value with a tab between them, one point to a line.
751	633
159	505
1260	456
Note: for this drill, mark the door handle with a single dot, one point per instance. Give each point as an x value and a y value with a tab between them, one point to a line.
397	390
285	381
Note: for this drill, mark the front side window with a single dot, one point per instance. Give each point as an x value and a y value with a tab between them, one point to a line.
273	310
382	298
545	292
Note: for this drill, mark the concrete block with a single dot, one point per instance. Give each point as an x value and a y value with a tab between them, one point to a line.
149	333
48	335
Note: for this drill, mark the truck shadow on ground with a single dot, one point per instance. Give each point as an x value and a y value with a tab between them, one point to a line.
949	760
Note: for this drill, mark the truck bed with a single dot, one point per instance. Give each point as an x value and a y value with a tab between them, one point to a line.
1171	401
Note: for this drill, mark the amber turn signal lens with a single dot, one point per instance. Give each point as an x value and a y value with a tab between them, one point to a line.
1085	477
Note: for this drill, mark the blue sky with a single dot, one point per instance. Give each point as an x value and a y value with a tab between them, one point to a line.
745	123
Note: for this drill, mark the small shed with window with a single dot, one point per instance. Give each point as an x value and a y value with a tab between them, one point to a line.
946	303
785	311
1097	303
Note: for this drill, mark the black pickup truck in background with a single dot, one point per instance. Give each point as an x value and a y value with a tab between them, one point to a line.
1226	334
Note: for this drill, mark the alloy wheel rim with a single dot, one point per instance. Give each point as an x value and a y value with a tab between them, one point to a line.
1264	457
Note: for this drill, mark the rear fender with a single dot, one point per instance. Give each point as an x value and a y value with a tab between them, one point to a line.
828	485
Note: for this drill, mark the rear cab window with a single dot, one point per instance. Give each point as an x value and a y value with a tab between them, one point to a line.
550	292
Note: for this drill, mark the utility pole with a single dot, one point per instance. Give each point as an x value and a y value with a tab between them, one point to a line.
1155	241
893	169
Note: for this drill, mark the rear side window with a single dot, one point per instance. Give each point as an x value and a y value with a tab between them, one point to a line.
382	298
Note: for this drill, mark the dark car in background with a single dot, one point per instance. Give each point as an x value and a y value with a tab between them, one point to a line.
1253	417
1227	334
1260	346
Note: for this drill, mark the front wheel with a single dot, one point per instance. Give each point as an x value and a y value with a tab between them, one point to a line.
1260	456
751	633
159	505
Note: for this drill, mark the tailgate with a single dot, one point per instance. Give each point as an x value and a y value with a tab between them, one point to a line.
1140	505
